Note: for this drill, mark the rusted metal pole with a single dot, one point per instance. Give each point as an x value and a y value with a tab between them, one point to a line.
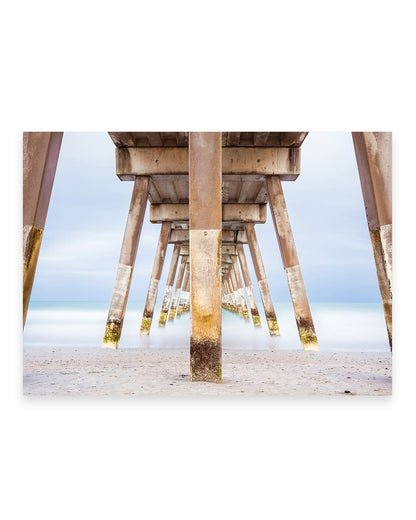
178	286
40	158
126	263
155	279
291	265
249	287
373	151
262	281
205	219
169	285
240	288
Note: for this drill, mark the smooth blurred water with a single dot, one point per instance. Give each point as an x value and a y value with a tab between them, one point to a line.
339	327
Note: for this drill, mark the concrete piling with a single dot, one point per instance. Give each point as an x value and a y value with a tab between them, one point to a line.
187	296
184	295
240	289
373	151
291	264
175	298
169	285
155	279
128	253
262	281
205	219
40	158
249	286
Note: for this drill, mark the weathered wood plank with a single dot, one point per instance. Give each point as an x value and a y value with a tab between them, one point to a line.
255	213
235	161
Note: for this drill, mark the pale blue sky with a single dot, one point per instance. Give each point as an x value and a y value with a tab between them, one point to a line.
89	205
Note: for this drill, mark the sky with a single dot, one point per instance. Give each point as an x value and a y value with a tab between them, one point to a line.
89	206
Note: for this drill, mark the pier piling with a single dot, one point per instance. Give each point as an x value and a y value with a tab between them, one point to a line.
291	264
262	281
205	223
155	279
373	151
40	158
125	268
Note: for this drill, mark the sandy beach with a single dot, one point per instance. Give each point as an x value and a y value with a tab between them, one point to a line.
134	372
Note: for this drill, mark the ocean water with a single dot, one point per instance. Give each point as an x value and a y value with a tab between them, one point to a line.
353	327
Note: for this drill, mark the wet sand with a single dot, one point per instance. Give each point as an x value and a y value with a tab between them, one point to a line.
134	372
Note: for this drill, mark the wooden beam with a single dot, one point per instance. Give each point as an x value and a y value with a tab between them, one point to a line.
260	138
154	139
284	162
228	250
255	213
233	138
228	237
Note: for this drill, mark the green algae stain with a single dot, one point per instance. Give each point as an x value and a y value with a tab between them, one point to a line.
112	335
163	318
145	326
308	339
273	327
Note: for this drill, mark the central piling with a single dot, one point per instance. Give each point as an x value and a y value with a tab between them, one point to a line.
205	219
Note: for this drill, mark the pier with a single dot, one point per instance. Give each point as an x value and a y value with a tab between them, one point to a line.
207	192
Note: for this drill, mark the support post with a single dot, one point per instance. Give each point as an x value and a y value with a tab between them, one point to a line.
205	219
183	292
266	297
155	279
249	286
240	288
178	286
126	263
40	158
236	292
291	264
169	285
373	151
187	297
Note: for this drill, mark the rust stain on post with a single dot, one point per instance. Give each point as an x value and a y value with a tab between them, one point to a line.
154	280
264	289
169	285
205	218
249	287
184	294
128	253
301	307
373	151
40	159
290	260
178	286
240	289
381	241
32	239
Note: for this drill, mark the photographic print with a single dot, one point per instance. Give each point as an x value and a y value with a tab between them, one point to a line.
207	263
